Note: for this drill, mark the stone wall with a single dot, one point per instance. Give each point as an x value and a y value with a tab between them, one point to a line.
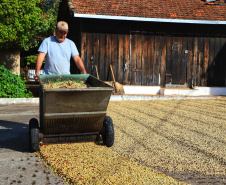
12	60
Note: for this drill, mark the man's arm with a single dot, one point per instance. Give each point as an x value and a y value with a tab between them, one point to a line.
79	63
39	62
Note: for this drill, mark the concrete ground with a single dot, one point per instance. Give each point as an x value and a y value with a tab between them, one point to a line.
18	164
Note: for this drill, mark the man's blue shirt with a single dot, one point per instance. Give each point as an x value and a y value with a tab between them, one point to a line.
58	55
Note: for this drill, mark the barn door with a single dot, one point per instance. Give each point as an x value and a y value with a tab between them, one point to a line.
177	59
136	58
146	56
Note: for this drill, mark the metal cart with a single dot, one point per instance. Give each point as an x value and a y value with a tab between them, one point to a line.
72	115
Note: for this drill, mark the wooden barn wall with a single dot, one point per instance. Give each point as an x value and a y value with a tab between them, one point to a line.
147	59
148	53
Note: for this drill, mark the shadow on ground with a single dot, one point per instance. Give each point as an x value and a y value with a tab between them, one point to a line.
14	136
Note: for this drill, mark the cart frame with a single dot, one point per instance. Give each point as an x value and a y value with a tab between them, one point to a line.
73	115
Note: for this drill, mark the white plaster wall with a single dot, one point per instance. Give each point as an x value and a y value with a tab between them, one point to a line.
152	90
156	90
197	91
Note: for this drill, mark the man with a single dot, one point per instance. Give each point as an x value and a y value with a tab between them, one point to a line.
58	50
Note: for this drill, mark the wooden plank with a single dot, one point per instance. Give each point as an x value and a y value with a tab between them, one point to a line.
205	61
195	62
139	60
182	61
223	44
114	54
175	63
163	65
211	63
200	60
102	64
96	52
151	47
217	47
223	49
133	58
181	64
126	59
157	59
190	64
200	69
120	58
218	67
108	58
185	60
168	74
83	49
218	64
145	60
89	47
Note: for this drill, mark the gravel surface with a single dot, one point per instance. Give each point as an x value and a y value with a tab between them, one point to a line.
182	138
89	163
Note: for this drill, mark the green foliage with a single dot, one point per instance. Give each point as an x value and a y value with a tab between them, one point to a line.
31	60
24	23
11	85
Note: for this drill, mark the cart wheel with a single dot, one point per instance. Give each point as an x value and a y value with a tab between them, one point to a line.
108	135
33	135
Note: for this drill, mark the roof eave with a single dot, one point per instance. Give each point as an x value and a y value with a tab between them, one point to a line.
145	19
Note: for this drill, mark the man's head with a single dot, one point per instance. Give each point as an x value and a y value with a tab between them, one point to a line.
61	31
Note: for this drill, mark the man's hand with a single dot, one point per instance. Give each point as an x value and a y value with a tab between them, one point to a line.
36	78
39	62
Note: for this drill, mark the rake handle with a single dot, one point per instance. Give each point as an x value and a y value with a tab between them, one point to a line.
112	73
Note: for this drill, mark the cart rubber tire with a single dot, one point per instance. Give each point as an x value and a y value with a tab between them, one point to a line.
34	135
108	136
